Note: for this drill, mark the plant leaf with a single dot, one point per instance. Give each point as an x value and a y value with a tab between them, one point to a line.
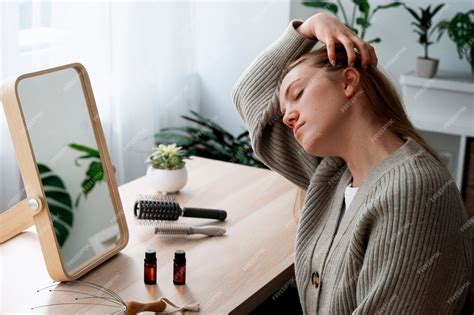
362	22
242	135
387	6
83	158
437	9
95	174
213	124
364	7
59	202
413	13
85	149
375	40
332	7
170	137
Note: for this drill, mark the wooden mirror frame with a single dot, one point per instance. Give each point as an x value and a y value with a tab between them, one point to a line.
34	209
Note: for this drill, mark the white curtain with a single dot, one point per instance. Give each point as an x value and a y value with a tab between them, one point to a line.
139	59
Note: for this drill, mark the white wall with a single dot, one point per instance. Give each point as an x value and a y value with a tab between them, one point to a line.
399	47
230	35
154	77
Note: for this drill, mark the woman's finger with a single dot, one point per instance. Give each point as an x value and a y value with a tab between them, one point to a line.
363	49
373	55
331	51
349	46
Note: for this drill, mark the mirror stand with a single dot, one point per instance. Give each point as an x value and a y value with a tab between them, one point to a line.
72	196
19	217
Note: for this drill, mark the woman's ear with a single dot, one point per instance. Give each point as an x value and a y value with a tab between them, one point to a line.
350	81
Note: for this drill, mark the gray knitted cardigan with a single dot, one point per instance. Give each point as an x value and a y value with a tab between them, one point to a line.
404	246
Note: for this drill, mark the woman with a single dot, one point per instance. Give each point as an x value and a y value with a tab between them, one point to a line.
383	228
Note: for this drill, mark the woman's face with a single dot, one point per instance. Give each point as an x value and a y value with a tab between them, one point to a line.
313	108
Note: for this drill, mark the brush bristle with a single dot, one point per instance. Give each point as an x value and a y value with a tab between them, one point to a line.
171	228
152	207
155	197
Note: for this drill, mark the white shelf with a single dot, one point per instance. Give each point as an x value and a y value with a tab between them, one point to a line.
444	80
443	107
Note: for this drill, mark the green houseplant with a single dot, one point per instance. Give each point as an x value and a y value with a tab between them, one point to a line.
361	17
425	66
59	202
210	140
460	30
58	197
167	170
95	171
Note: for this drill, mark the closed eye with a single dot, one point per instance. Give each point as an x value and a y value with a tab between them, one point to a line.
297	97
299	94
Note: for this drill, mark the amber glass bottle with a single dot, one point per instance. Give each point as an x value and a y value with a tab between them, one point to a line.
150	267
179	267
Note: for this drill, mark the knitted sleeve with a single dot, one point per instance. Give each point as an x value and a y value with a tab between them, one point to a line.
419	256
255	95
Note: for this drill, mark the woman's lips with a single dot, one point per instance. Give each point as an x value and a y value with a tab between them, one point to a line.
297	128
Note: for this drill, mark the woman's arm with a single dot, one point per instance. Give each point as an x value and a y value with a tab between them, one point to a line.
255	94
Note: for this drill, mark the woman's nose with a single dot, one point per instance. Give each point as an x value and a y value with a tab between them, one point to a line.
290	119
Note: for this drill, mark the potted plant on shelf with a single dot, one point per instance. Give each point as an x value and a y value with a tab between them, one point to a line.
461	31
425	66
167	170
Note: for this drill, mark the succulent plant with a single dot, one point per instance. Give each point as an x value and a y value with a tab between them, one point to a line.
169	157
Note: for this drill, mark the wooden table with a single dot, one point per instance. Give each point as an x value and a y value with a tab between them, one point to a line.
225	274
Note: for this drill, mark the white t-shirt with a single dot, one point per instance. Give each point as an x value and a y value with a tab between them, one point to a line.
349	194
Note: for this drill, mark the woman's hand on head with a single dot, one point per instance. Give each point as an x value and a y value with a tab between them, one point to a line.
329	30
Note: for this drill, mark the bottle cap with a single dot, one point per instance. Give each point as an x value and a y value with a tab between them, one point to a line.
180	255
150	255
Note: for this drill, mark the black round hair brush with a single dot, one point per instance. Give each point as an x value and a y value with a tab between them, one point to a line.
149	207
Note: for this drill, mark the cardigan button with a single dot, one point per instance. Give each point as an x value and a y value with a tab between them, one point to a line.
315	279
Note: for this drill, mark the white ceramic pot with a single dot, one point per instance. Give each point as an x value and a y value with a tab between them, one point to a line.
166	181
426	68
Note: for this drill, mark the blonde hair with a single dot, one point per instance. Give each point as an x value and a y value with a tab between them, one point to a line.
383	100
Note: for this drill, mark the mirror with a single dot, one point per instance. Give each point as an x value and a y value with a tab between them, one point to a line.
82	209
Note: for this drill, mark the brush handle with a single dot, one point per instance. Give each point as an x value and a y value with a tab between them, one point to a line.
204	213
134	307
210	230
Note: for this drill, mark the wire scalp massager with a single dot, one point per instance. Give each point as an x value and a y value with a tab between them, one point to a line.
106	297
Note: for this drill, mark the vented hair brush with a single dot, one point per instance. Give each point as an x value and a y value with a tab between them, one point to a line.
173	228
167	208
